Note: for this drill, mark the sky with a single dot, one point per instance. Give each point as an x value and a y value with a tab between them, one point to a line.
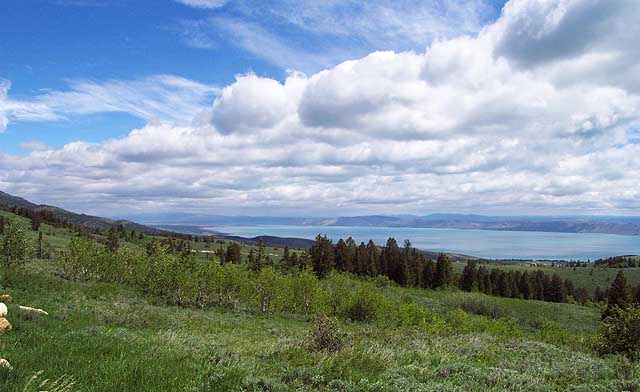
322	108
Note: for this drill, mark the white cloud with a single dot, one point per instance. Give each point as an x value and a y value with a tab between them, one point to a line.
311	35
206	4
470	124
166	98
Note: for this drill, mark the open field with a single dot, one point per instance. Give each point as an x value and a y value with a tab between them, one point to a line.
111	337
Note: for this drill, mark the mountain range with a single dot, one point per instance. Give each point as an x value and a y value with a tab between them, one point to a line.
560	224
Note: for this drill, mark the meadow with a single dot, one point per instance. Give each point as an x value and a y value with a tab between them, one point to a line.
113	336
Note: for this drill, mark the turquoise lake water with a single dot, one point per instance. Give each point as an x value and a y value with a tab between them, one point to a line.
482	243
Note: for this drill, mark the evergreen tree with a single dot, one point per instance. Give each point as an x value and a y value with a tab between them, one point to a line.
343	257
361	260
373	261
618	296
569	288
285	255
488	284
444	270
469	274
582	295
428	274
40	245
322	255
524	286
222	255
557	290
233	254
112	241
504	286
482	272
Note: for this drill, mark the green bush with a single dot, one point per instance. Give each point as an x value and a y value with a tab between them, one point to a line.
15	249
481	307
620	333
365	304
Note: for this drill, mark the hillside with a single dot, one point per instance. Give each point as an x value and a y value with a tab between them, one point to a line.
412	339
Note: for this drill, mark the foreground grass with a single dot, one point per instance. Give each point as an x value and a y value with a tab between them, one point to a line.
109	338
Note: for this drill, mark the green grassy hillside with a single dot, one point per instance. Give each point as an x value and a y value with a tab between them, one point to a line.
112	337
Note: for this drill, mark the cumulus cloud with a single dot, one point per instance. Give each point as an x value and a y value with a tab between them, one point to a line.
473	123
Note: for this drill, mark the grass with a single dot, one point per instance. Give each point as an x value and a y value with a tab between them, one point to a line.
108	337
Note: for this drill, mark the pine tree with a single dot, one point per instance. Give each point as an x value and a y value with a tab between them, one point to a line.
233	254
40	245
618	296
569	288
468	276
112	241
322	256
373	267
361	259
343	257
557	290
524	286
444	270
504	286
488	284
482	272
428	274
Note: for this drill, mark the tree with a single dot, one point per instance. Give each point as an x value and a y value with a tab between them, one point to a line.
322	255
343	257
373	259
618	296
620	333
267	282
428	274
480	277
524	286
557	290
598	295
469	274
40	245
15	248
444	270
233	253
112	241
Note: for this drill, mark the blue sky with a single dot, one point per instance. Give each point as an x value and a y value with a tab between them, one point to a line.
47	43
450	104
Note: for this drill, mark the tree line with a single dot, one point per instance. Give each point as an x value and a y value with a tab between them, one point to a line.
407	266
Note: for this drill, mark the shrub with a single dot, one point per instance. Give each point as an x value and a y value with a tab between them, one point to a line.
80	260
481	307
365	305
620	333
325	335
14	247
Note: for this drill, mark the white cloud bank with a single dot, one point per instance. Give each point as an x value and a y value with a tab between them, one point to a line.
535	114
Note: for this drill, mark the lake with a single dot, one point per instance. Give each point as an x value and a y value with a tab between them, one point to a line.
482	243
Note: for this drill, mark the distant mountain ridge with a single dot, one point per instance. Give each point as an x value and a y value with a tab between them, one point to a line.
554	224
88	221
